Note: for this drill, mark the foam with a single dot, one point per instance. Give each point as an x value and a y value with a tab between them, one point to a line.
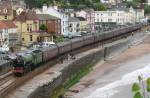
109	90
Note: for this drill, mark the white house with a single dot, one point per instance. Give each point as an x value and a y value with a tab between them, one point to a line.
8	33
54	12
74	25
121	16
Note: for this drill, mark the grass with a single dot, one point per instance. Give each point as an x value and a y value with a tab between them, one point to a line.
76	78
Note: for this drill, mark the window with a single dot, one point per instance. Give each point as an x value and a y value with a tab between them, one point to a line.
70	25
30	37
109	20
101	14
22	39
101	20
97	20
28	27
5	11
5	17
78	25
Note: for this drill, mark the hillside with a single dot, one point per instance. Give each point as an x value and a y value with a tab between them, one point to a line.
77	4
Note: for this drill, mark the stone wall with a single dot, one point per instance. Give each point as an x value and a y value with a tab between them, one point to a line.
87	60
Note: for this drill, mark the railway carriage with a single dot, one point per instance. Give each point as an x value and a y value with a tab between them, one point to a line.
77	42
49	52
88	39
37	57
64	47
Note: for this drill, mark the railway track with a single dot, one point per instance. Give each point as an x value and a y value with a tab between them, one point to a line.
5	84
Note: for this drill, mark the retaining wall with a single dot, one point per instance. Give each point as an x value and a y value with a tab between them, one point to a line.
90	59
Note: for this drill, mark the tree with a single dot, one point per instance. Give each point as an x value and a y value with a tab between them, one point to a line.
37	3
96	1
43	27
147	9
132	4
99	7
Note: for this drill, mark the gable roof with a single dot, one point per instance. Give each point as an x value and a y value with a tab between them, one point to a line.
46	17
7	24
5	8
73	19
27	15
81	18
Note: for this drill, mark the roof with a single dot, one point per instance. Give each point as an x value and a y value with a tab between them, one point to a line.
73	19
46	17
7	25
5	8
27	15
81	18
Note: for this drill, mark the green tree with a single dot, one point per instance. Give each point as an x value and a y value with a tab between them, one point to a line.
37	3
148	85
43	27
96	1
135	87
99	7
132	4
147	9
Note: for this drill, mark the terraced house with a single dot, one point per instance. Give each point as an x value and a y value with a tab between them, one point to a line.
53	25
28	27
8	33
6	12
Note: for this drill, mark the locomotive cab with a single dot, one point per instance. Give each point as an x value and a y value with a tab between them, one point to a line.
22	64
18	67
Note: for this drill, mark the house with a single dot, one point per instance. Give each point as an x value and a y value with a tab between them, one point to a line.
52	23
28	27
89	15
54	11
83	24
74	25
112	2
119	16
8	33
6	12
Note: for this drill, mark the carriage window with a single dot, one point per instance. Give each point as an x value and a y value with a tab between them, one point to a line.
0	69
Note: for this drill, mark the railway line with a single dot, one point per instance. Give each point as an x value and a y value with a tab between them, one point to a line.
9	83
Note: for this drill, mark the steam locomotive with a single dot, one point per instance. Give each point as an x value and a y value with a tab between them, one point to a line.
25	61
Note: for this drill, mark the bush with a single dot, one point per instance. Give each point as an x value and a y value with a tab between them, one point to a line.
135	87
138	95
43	27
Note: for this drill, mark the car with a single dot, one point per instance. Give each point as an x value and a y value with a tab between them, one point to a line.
48	43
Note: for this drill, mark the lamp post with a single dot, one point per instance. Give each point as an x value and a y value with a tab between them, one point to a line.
140	78
1	37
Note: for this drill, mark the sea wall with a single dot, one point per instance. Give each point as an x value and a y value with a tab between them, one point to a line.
88	59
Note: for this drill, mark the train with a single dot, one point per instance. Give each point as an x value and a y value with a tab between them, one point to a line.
26	61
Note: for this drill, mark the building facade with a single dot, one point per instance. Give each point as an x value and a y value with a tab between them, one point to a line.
6	11
119	16
8	33
89	15
74	25
28	27
54	11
